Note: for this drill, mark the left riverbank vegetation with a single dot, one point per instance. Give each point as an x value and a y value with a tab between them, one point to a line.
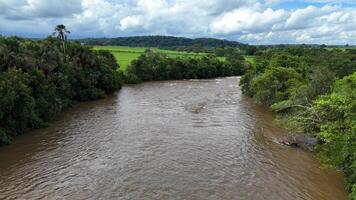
39	79
314	92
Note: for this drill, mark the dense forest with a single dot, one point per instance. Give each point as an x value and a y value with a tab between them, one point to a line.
313	90
39	79
156	66
161	42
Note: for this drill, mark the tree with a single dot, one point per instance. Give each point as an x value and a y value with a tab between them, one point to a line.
313	90
332	118
250	50
275	85
37	82
61	32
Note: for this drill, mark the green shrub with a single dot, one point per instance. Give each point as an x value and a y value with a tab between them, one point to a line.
37	81
299	83
155	66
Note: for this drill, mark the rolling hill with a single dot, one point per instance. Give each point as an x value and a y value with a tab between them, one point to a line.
161	42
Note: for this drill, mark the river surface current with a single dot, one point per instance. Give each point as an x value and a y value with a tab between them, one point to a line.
165	140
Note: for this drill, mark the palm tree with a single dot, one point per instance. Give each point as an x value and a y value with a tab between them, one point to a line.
61	32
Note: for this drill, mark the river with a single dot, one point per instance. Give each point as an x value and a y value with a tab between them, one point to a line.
165	140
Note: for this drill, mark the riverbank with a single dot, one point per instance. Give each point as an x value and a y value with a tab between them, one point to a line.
313	91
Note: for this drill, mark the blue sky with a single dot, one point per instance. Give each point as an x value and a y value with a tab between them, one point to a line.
249	21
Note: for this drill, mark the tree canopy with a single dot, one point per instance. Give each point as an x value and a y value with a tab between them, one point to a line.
38	80
314	91
160	41
156	66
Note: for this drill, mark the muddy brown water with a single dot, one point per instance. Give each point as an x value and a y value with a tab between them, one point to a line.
165	140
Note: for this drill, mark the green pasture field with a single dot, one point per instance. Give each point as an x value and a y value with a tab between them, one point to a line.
250	59
125	55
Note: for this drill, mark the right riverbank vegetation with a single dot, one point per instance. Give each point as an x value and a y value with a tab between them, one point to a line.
314	92
311	88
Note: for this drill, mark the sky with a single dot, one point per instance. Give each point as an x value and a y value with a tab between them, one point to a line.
249	21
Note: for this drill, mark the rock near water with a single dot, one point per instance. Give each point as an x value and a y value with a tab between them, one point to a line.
301	141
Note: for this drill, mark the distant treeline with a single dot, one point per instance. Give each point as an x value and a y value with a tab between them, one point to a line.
314	92
215	46
152	66
38	80
161	42
270	46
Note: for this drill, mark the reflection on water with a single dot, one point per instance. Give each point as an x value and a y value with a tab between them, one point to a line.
164	140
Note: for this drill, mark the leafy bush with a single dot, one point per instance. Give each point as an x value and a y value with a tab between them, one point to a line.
299	83
276	84
335	119
17	112
37	81
155	66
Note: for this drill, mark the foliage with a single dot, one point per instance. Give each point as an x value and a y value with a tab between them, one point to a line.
314	91
174	45
250	50
156	66
17	112
38	80
334	121
275	84
61	32
125	55
160	41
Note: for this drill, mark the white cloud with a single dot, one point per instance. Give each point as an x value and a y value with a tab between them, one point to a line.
327	24
130	21
151	5
28	9
244	20
53	8
253	21
306	17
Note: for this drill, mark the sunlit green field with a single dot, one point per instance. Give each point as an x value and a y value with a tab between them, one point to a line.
125	55
250	59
